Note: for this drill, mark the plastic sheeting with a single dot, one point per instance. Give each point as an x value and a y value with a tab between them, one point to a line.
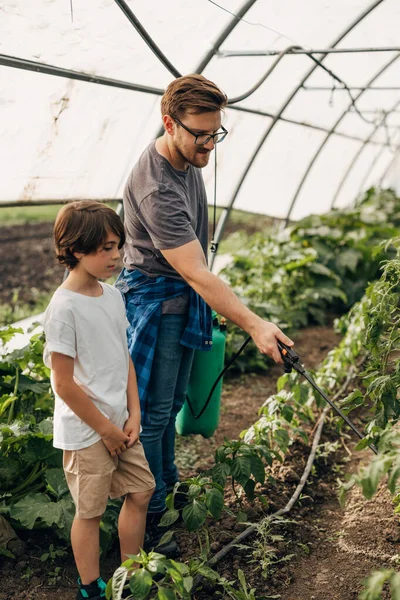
64	139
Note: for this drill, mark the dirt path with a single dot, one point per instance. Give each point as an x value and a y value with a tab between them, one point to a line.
346	545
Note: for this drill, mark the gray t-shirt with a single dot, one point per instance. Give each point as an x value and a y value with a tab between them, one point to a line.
164	209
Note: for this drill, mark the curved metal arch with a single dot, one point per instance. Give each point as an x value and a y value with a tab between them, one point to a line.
264	77
359	152
226	211
386	171
332	131
263	113
146	37
369	170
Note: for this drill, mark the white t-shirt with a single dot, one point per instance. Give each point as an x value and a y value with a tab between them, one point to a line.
93	332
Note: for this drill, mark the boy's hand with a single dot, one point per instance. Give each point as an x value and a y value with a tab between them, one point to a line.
115	440
132	429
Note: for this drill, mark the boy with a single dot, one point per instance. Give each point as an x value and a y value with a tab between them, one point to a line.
97	412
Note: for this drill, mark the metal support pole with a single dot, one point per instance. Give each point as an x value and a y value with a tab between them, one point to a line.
146	37
322	145
38	67
359	152
252	53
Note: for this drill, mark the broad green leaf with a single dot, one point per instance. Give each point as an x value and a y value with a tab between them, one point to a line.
56	481
281	437
188	583
257	468
194	515
109	589
140	584
214	502
194	491
249	489
374	584
395	586
169	517
165	594
38	507
241	468
208	573
167	537
182	568
156	563
220	472
373	473
118	583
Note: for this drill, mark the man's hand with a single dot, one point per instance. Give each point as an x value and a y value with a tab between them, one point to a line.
132	430
115	440
265	336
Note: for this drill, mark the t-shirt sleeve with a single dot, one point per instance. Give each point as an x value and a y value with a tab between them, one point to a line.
166	219
121	305
60	337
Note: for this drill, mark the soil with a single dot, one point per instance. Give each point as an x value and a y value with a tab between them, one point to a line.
30	266
33	267
324	551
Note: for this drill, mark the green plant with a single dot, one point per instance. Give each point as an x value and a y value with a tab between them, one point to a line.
53	553
204	497
321	264
243	463
54	576
263	549
154	576
373	586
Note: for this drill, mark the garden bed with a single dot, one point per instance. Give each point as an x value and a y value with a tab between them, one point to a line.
334	549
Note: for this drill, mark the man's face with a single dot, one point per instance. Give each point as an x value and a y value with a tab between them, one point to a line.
184	142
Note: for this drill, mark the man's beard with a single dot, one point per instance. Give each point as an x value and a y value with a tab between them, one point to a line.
192	160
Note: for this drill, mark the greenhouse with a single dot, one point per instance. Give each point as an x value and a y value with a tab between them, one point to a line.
282	500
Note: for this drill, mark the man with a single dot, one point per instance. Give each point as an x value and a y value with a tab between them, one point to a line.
167	284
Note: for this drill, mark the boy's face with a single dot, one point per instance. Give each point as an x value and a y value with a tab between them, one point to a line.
102	262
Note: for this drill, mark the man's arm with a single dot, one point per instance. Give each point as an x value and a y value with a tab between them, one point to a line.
189	261
80	403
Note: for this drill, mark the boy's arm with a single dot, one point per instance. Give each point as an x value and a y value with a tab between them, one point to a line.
80	403
132	425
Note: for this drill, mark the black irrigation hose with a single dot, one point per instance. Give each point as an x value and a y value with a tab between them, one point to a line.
224	370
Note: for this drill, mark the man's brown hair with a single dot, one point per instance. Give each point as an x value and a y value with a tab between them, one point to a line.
192	94
83	227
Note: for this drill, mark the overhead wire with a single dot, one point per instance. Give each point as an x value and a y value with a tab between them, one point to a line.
309	53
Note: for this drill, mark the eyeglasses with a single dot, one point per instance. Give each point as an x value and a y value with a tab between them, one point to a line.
203	138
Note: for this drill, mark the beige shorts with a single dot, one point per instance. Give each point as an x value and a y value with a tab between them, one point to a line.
93	476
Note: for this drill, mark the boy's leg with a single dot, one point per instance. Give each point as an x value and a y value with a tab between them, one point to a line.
132	522
88	473
86	548
162	386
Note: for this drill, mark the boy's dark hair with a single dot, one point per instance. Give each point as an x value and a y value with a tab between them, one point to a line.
83	227
194	94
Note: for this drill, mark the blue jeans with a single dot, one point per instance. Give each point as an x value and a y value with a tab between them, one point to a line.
167	392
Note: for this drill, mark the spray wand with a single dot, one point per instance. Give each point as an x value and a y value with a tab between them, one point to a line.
291	360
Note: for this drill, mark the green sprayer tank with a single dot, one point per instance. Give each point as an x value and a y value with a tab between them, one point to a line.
205	370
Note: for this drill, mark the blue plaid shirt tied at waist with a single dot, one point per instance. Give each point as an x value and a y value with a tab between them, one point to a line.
147	295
